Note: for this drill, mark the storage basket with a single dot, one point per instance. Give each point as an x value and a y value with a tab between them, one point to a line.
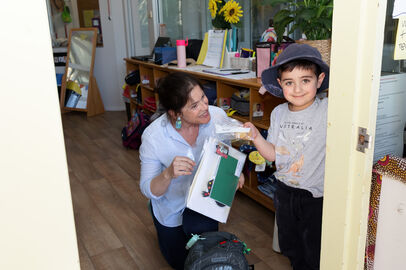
324	47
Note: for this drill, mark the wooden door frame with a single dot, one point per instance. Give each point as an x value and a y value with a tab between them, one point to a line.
357	43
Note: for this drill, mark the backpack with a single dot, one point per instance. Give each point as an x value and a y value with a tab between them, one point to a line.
242	105
133	78
132	132
216	251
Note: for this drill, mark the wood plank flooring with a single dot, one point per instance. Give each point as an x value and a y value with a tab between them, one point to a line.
114	228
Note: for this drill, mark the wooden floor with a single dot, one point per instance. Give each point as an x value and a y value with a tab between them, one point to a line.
114	228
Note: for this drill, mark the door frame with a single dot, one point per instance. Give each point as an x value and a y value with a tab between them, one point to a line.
357	44
132	26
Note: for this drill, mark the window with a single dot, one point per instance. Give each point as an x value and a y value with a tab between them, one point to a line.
191	19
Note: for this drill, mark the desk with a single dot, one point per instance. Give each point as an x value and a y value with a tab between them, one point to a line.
151	73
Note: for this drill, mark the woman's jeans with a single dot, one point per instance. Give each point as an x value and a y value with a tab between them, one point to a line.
172	240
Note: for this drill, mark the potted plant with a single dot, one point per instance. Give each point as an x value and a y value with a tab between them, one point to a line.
312	17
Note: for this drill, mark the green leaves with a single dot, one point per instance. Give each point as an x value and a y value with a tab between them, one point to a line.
311	17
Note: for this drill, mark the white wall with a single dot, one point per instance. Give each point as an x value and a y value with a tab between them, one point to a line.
109	68
37	228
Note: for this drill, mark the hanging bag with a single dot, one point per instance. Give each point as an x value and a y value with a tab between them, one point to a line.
132	132
267	53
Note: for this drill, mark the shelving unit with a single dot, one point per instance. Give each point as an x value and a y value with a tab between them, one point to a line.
225	88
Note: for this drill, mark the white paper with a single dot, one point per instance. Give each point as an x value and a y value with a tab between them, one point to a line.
214	48
206	171
200	68
82	103
391	116
400	42
221	128
399	8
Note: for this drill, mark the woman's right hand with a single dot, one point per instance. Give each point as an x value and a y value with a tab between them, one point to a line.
180	166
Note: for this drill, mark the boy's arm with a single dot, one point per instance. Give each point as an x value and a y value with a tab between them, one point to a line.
265	148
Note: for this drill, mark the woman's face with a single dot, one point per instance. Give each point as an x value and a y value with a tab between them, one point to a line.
196	110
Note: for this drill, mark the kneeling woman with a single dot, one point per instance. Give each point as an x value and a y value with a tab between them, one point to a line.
171	146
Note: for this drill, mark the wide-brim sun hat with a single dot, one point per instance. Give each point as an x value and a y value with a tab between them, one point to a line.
294	51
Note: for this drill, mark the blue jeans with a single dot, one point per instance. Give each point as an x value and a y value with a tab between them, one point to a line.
299	218
172	240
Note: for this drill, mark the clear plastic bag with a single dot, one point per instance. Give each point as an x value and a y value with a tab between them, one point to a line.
229	129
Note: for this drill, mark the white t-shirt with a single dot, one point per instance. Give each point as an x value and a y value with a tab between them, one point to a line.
300	145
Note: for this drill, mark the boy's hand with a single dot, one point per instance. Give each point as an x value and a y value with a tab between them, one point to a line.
254	131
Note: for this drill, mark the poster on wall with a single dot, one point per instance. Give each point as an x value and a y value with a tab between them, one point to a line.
400	42
399	9
391	116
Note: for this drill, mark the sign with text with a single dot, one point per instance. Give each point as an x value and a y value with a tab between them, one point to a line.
391	116
400	44
399	9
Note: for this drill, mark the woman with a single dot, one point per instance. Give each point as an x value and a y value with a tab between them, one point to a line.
170	149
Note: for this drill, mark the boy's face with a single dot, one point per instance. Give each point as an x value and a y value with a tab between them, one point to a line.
300	87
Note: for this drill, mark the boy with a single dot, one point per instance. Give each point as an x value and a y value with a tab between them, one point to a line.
296	142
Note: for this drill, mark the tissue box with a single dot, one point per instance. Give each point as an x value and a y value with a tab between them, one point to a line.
241	63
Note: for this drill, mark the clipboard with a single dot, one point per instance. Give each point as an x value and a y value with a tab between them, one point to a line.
216	44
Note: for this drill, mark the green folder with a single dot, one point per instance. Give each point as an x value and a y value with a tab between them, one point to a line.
225	182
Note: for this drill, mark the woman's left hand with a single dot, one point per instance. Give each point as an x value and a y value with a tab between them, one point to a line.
241	181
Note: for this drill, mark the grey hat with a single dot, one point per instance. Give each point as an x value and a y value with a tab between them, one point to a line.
294	51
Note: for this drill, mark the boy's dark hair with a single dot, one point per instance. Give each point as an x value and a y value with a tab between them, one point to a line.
299	63
174	90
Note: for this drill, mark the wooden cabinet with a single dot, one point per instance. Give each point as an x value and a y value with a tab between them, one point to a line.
226	87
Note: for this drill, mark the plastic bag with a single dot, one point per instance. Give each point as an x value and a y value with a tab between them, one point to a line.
229	129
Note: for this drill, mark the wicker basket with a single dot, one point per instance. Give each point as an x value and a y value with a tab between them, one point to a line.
324	47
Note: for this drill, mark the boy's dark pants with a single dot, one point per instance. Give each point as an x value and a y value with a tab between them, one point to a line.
298	216
172	240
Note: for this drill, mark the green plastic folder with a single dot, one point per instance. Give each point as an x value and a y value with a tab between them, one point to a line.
225	182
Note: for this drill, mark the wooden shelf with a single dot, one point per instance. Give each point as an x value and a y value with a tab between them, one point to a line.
225	89
148	110
146	86
261	123
75	109
257	195
240	117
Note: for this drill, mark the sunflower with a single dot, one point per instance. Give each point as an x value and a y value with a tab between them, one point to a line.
232	11
213	7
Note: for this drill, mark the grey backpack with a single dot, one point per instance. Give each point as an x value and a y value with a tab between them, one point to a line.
217	251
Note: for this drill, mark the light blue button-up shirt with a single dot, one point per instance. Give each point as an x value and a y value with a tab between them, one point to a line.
161	143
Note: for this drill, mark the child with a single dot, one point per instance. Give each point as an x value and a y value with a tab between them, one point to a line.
296	142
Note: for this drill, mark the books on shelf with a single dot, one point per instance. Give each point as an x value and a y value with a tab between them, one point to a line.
215	182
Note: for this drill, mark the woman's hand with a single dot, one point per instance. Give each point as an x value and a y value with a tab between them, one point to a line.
241	181
254	131
180	166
